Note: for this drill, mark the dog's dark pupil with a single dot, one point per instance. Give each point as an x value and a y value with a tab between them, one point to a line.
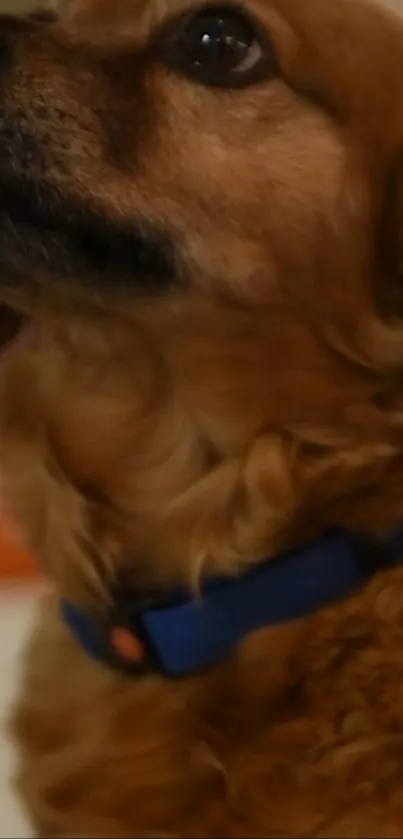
217	43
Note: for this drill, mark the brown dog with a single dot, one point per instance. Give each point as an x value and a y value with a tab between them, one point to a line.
201	245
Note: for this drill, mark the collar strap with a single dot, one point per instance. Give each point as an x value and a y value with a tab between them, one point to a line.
183	635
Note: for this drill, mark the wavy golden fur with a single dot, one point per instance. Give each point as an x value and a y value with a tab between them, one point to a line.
157	434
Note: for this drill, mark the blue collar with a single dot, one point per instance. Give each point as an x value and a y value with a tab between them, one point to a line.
183	635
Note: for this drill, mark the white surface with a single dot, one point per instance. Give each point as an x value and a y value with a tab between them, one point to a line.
16	612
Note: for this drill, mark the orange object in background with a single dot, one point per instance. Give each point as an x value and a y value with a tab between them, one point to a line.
16	563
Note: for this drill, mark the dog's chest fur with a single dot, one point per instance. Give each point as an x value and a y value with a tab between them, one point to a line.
310	748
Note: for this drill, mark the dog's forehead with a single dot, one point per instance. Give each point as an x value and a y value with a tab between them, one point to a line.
321	21
118	10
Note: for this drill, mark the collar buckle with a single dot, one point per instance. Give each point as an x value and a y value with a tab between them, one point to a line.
121	640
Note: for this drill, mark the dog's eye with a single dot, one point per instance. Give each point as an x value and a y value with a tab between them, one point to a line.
219	46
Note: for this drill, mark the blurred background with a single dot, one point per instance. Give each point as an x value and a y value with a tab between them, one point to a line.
18	597
16	613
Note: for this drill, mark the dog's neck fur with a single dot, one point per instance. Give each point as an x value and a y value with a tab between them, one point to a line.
120	463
